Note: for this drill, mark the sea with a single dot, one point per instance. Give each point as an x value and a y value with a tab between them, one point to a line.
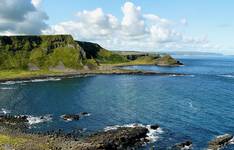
196	106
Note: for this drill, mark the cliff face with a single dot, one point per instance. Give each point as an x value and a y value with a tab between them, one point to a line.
52	51
46	51
48	42
61	52
101	55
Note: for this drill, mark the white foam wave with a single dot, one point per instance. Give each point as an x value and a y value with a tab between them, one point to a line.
5	111
40	119
48	79
6	88
227	76
181	75
231	141
26	81
12	82
152	135
80	76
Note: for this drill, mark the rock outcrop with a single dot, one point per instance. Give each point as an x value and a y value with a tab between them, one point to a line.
219	142
70	117
187	145
121	138
167	60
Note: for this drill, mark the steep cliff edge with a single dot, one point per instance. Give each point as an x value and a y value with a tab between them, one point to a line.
46	51
62	52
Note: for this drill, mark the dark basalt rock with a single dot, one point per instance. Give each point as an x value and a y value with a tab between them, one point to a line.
154	127
9	119
121	138
219	142
70	117
84	113
187	145
16	122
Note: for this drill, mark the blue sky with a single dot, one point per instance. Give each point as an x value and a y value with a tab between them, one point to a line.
150	25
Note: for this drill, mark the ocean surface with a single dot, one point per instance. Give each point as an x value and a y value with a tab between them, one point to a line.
198	106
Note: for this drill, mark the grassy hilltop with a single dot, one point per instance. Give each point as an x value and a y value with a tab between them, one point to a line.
61	53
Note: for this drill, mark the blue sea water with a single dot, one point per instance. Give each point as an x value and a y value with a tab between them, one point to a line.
196	107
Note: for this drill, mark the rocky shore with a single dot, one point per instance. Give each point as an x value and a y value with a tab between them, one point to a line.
14	135
83	73
119	138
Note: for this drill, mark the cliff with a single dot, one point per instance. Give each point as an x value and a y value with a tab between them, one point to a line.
21	52
60	52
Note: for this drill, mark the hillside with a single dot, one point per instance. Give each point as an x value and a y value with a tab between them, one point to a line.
21	52
62	52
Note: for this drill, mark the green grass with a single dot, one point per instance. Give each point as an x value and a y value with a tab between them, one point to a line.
23	142
108	57
144	60
11	140
11	74
70	57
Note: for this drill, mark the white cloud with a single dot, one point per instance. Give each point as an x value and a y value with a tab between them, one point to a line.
21	17
90	25
36	3
135	31
133	22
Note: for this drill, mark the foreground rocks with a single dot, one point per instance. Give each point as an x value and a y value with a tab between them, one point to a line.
14	121
219	141
121	138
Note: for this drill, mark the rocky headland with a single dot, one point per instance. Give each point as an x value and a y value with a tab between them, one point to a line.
27	57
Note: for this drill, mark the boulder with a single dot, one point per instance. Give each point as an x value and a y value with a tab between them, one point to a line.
70	117
154	127
219	141
84	113
187	145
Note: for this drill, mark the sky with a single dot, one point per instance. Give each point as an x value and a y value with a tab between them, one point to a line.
149	25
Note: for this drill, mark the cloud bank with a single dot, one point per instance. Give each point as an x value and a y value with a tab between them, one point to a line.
21	17
134	31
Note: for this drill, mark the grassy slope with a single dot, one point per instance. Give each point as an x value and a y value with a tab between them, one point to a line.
100	55
16	52
11	74
23	142
46	52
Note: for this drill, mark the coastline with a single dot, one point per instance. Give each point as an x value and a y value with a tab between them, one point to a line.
109	70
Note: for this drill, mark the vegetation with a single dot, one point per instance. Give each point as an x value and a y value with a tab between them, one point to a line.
70	57
11	74
16	52
5	139
21	141
22	56
167	60
101	55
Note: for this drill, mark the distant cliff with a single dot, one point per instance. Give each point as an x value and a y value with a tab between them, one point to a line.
59	52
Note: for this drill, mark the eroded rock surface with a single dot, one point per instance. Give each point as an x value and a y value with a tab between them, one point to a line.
220	141
121	138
